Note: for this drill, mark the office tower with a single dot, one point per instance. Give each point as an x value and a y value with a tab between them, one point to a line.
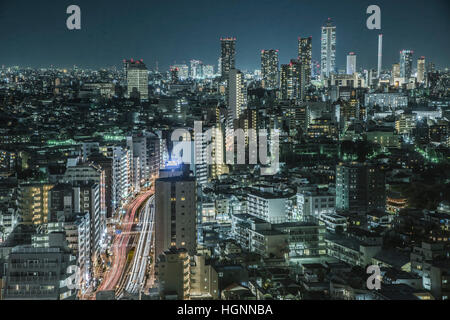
351	63
183	71
196	69
406	64
33	203
176	214
291	80
360	187
380	54
421	69
228	56
269	69
305	58
328	49
137	80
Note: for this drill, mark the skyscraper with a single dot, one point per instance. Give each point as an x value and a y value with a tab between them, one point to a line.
304	57
421	69
228	56
237	102
351	63
328	49
406	64
237	93
269	69
290	80
137	79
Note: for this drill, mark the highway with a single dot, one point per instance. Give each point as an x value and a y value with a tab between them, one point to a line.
121	245
139	267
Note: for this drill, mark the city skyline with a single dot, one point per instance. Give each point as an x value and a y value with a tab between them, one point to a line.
42	39
293	151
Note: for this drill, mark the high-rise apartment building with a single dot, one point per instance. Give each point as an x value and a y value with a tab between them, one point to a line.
237	103
291	80
228	56
305	56
360	187
328	49
237	94
270	69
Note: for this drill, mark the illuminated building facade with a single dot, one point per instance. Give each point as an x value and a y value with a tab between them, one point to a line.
351	63
137	80
228	56
328	49
305	56
406	64
33	203
290	80
421	69
269	69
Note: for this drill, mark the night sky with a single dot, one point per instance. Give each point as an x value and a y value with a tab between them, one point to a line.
34	33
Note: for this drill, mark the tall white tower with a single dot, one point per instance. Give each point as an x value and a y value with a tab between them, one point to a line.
351	63
328	49
380	53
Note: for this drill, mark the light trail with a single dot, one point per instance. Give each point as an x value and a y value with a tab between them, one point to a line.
136	281
121	246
